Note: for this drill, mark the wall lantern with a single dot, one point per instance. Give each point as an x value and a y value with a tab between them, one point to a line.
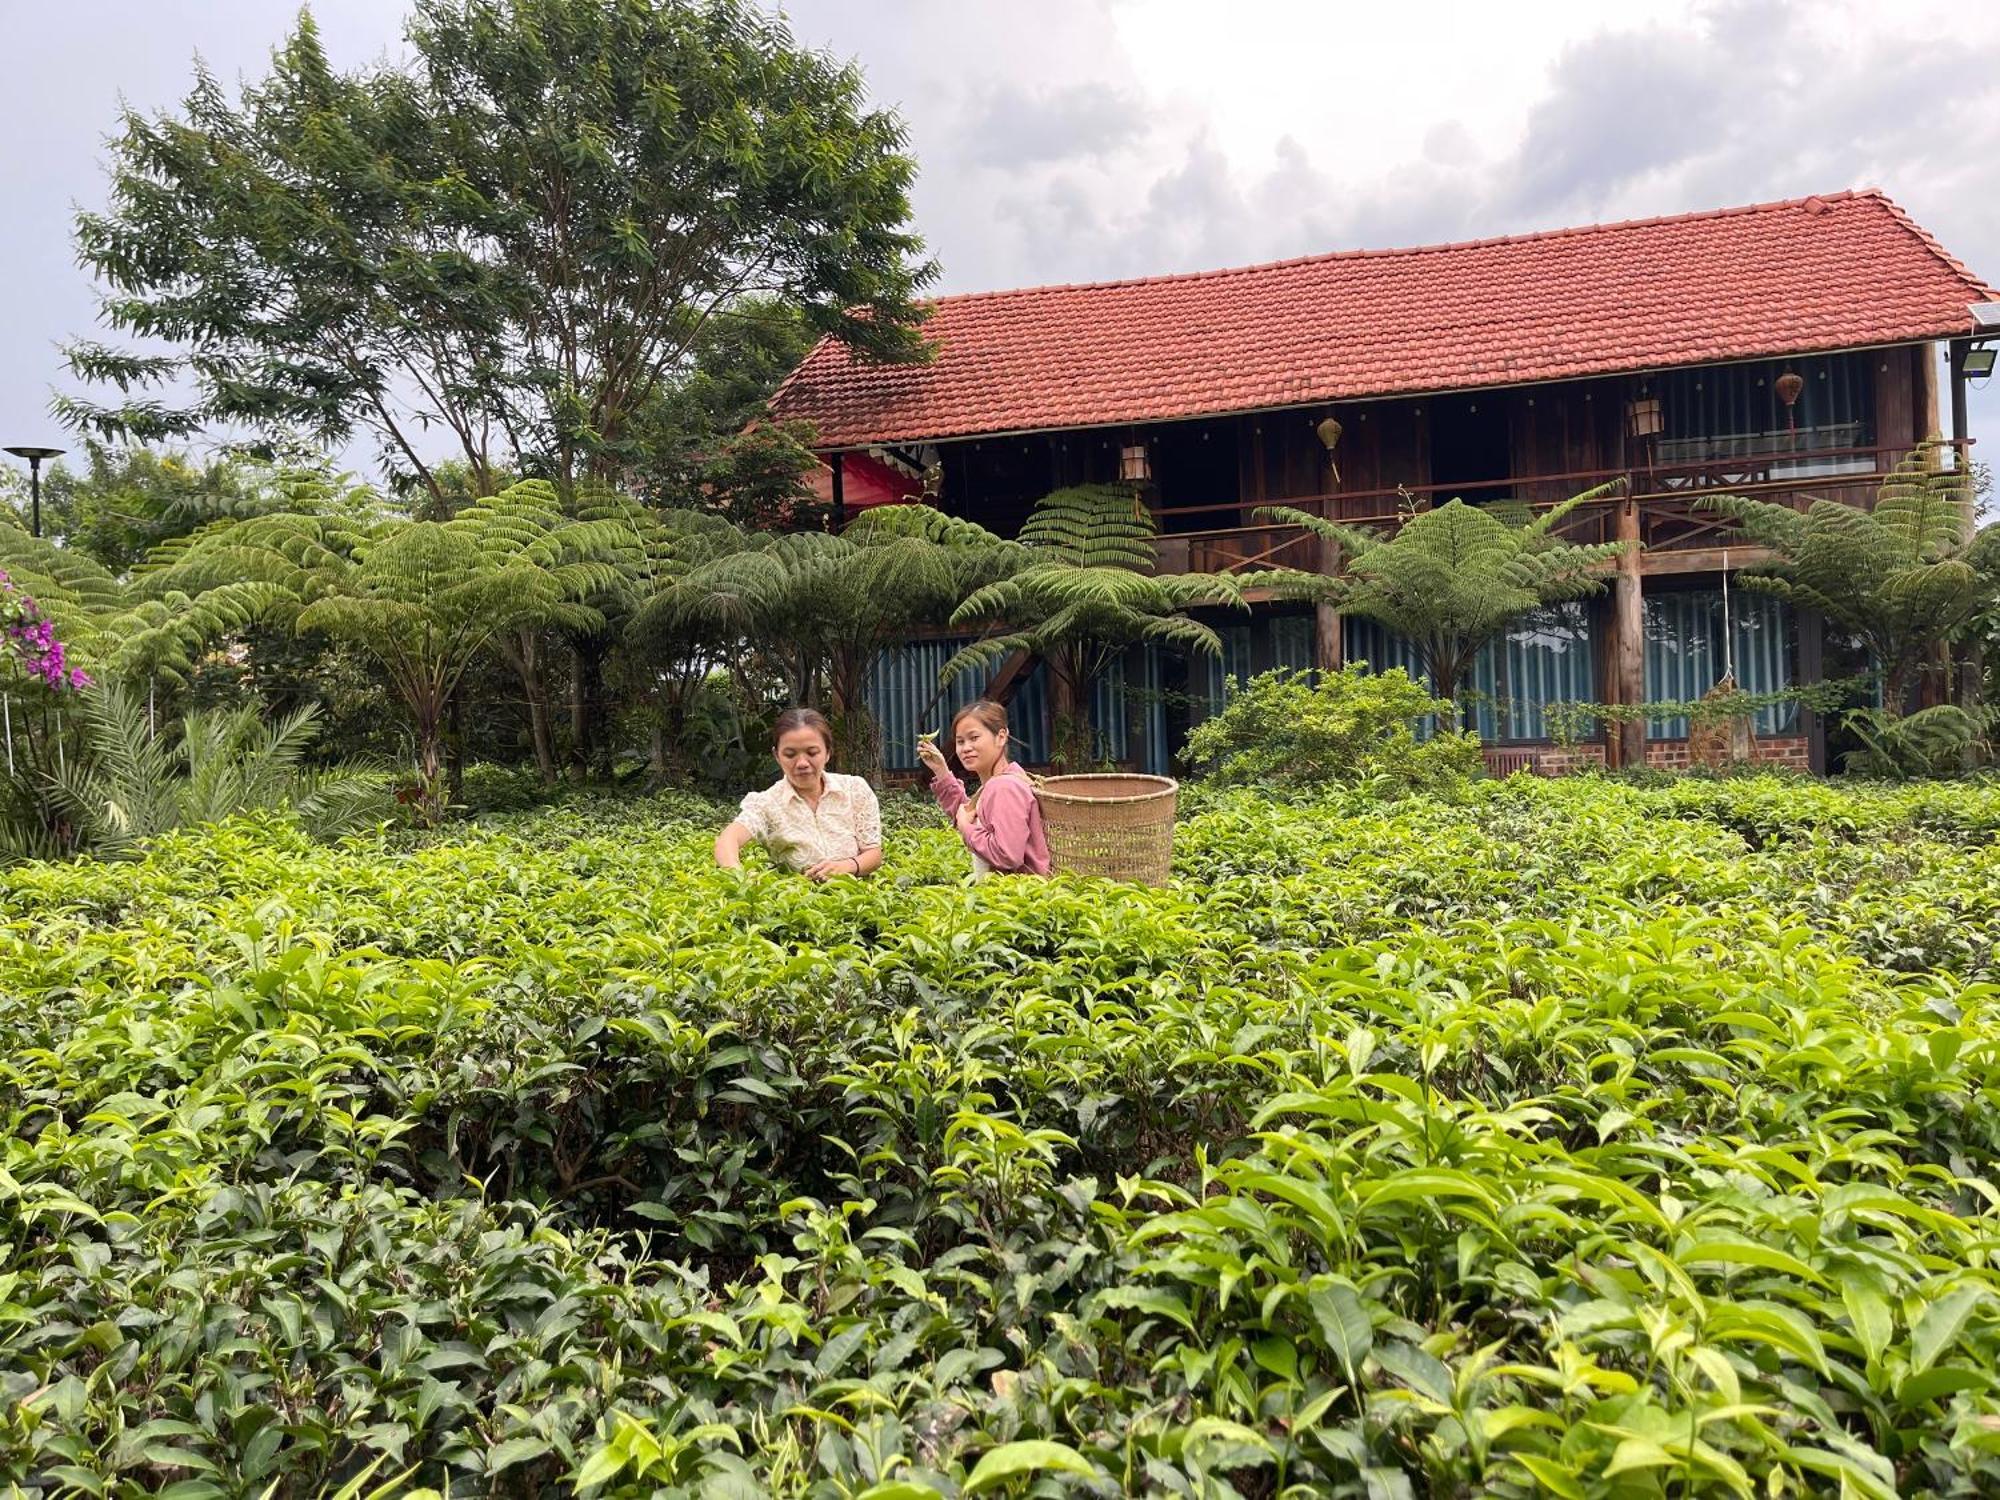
1329	434
1978	363
1133	465
1642	417
1789	386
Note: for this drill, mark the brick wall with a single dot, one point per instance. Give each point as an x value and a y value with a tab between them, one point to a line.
1793	751
1560	762
1790	750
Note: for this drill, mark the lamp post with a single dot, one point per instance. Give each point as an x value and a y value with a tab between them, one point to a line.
34	456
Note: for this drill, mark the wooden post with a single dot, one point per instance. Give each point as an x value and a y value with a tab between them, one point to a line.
1959	425
839	493
1328	652
1924	419
1812	669
1628	662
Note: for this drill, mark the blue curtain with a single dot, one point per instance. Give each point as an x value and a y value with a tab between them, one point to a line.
1684	656
906	679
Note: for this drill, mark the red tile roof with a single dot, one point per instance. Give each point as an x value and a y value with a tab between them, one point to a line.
1847	270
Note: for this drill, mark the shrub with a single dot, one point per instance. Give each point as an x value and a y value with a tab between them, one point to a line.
1354	726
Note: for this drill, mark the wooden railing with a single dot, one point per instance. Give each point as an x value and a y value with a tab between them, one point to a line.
1670	516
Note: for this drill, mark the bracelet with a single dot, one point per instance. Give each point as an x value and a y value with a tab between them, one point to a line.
857	862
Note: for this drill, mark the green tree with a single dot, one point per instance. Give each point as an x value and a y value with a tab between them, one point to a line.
1087	589
520	240
824	607
704	441
1906	577
1450	579
423	598
127	499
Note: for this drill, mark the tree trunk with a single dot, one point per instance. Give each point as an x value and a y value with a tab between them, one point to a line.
591	749
522	652
1069	728
430	758
455	748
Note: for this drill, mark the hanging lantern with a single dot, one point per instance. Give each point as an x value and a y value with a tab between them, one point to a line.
1329	434
1133	465
1642	417
1790	387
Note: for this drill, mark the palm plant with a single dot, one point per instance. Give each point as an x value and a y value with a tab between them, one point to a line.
129	783
590	550
669	643
824	607
125	627
1087	589
1451	578
1905	578
423	598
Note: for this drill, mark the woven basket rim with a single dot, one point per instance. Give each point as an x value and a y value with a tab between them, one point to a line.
1155	787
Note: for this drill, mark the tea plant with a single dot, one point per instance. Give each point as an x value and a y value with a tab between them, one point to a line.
1566	1138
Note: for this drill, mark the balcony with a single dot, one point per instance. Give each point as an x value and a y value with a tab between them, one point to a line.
1678	535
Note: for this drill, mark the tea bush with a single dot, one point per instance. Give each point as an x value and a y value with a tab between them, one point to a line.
1568	1138
1347	727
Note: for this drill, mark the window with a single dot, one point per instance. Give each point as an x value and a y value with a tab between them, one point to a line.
1734	411
1684	657
1542	658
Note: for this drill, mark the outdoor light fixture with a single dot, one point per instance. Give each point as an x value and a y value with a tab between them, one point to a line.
1329	434
1789	387
1978	362
1133	465
34	456
1642	417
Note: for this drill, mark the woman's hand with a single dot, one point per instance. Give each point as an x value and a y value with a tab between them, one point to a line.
963	817
826	869
932	757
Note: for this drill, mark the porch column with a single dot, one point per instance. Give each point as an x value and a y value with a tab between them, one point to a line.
1329	653
839	492
1628	635
1812	669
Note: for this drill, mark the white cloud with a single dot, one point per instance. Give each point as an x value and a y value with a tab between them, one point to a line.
1067	140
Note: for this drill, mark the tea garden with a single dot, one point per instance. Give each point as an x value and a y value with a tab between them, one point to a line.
1540	1138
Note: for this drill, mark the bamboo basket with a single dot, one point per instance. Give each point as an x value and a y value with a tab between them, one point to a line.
1120	827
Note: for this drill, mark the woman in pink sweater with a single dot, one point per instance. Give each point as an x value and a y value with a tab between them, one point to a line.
1002	823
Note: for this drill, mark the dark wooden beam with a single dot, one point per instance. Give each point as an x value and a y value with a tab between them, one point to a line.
839	492
1959	424
1676	560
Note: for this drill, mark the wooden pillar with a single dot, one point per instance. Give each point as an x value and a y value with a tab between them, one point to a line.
1925	416
1812	669
1959	425
839	493
1328	652
1628	633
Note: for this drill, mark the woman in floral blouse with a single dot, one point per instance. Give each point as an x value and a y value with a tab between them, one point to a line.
815	821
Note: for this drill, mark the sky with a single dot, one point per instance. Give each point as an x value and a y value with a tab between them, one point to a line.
1077	140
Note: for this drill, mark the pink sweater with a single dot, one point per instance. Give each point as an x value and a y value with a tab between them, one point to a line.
1006	828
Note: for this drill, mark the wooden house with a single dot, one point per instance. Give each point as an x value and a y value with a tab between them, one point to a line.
1787	350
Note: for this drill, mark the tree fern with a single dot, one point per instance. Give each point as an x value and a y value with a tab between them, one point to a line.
1082	590
1904	577
1451	578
